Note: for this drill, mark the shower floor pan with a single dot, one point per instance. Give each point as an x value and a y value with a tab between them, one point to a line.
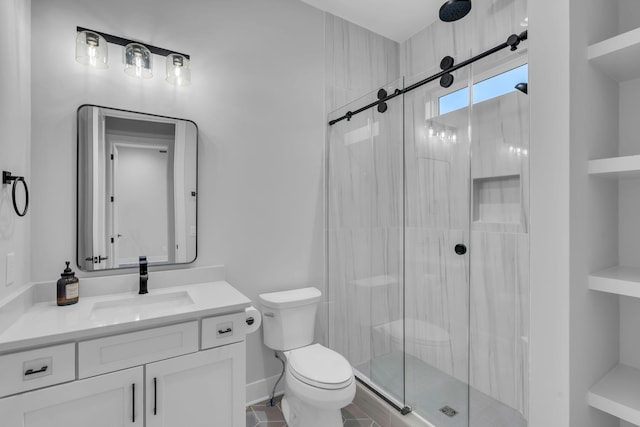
430	391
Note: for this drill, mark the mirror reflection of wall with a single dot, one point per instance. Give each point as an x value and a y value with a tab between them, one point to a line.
137	189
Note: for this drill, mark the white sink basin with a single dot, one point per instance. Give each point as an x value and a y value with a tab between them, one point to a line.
139	307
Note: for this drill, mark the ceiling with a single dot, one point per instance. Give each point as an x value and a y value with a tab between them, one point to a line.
394	19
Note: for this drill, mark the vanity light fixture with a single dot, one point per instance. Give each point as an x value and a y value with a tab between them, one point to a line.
91	49
178	72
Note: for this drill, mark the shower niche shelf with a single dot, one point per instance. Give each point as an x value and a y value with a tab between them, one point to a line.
625	166
618	394
619	56
496	200
617	280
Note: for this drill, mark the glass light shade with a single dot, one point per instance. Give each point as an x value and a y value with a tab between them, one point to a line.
178	72
137	61
91	49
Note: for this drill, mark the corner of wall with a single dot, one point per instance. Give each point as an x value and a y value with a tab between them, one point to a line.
15	146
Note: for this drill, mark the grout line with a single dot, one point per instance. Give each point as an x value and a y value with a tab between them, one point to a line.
344	420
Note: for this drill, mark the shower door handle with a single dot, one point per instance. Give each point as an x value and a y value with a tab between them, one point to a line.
460	249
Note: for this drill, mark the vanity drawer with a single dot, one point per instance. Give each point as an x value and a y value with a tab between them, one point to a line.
136	348
28	370
222	330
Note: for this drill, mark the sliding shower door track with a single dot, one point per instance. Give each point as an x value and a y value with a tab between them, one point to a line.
447	65
404	410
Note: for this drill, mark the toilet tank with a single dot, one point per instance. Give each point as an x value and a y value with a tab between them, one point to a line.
289	317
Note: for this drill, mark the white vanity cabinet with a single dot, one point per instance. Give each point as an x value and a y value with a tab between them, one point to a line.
197	390
110	400
170	376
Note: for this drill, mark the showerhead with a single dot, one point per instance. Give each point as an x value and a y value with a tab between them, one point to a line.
453	10
523	87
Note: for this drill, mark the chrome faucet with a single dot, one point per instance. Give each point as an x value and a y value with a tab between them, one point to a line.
144	276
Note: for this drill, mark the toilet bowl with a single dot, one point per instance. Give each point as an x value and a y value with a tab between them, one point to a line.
318	381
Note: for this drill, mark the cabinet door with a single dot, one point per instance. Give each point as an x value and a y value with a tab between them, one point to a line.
110	400
197	390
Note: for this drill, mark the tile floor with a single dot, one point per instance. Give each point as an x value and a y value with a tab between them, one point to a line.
262	415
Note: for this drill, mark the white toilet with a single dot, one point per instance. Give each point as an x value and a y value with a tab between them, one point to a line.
318	381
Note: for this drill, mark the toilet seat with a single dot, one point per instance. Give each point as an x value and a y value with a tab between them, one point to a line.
319	367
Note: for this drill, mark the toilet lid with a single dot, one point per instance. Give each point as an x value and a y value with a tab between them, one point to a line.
320	367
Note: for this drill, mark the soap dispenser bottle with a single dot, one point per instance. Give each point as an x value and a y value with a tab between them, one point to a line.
68	287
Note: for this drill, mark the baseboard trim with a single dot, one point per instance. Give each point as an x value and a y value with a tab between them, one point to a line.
260	390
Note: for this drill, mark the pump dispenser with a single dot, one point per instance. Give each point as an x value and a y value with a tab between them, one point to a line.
68	287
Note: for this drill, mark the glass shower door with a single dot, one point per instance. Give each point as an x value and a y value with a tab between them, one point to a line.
437	164
428	245
365	241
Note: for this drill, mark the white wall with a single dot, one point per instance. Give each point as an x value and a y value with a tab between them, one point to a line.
258	99
594	324
549	157
15	143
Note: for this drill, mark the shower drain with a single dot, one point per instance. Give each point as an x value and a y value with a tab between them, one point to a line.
448	411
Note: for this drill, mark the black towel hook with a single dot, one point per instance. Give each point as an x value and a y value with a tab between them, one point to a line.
7	178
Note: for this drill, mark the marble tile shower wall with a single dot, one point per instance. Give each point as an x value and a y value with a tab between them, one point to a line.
365	215
499	279
357	61
437	218
488	24
365	233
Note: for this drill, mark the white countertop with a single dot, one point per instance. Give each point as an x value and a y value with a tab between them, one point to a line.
47	323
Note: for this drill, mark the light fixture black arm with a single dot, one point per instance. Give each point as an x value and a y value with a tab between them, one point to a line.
512	41
123	42
7	178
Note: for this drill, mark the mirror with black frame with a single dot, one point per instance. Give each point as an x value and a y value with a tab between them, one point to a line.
137	189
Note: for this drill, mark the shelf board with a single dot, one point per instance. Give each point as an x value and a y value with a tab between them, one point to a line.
625	165
617	280
619	56
618	393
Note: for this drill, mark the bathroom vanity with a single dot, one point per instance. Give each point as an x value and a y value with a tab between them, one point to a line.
174	357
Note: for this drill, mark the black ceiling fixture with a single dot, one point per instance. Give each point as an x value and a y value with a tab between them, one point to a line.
453	10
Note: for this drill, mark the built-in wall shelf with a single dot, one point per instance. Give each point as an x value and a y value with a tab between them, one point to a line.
618	393
496	199
617	280
619	56
616	166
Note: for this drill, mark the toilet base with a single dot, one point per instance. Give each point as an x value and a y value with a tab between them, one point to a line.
298	414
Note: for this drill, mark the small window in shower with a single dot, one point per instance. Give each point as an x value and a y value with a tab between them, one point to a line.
500	84
454	100
492	87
